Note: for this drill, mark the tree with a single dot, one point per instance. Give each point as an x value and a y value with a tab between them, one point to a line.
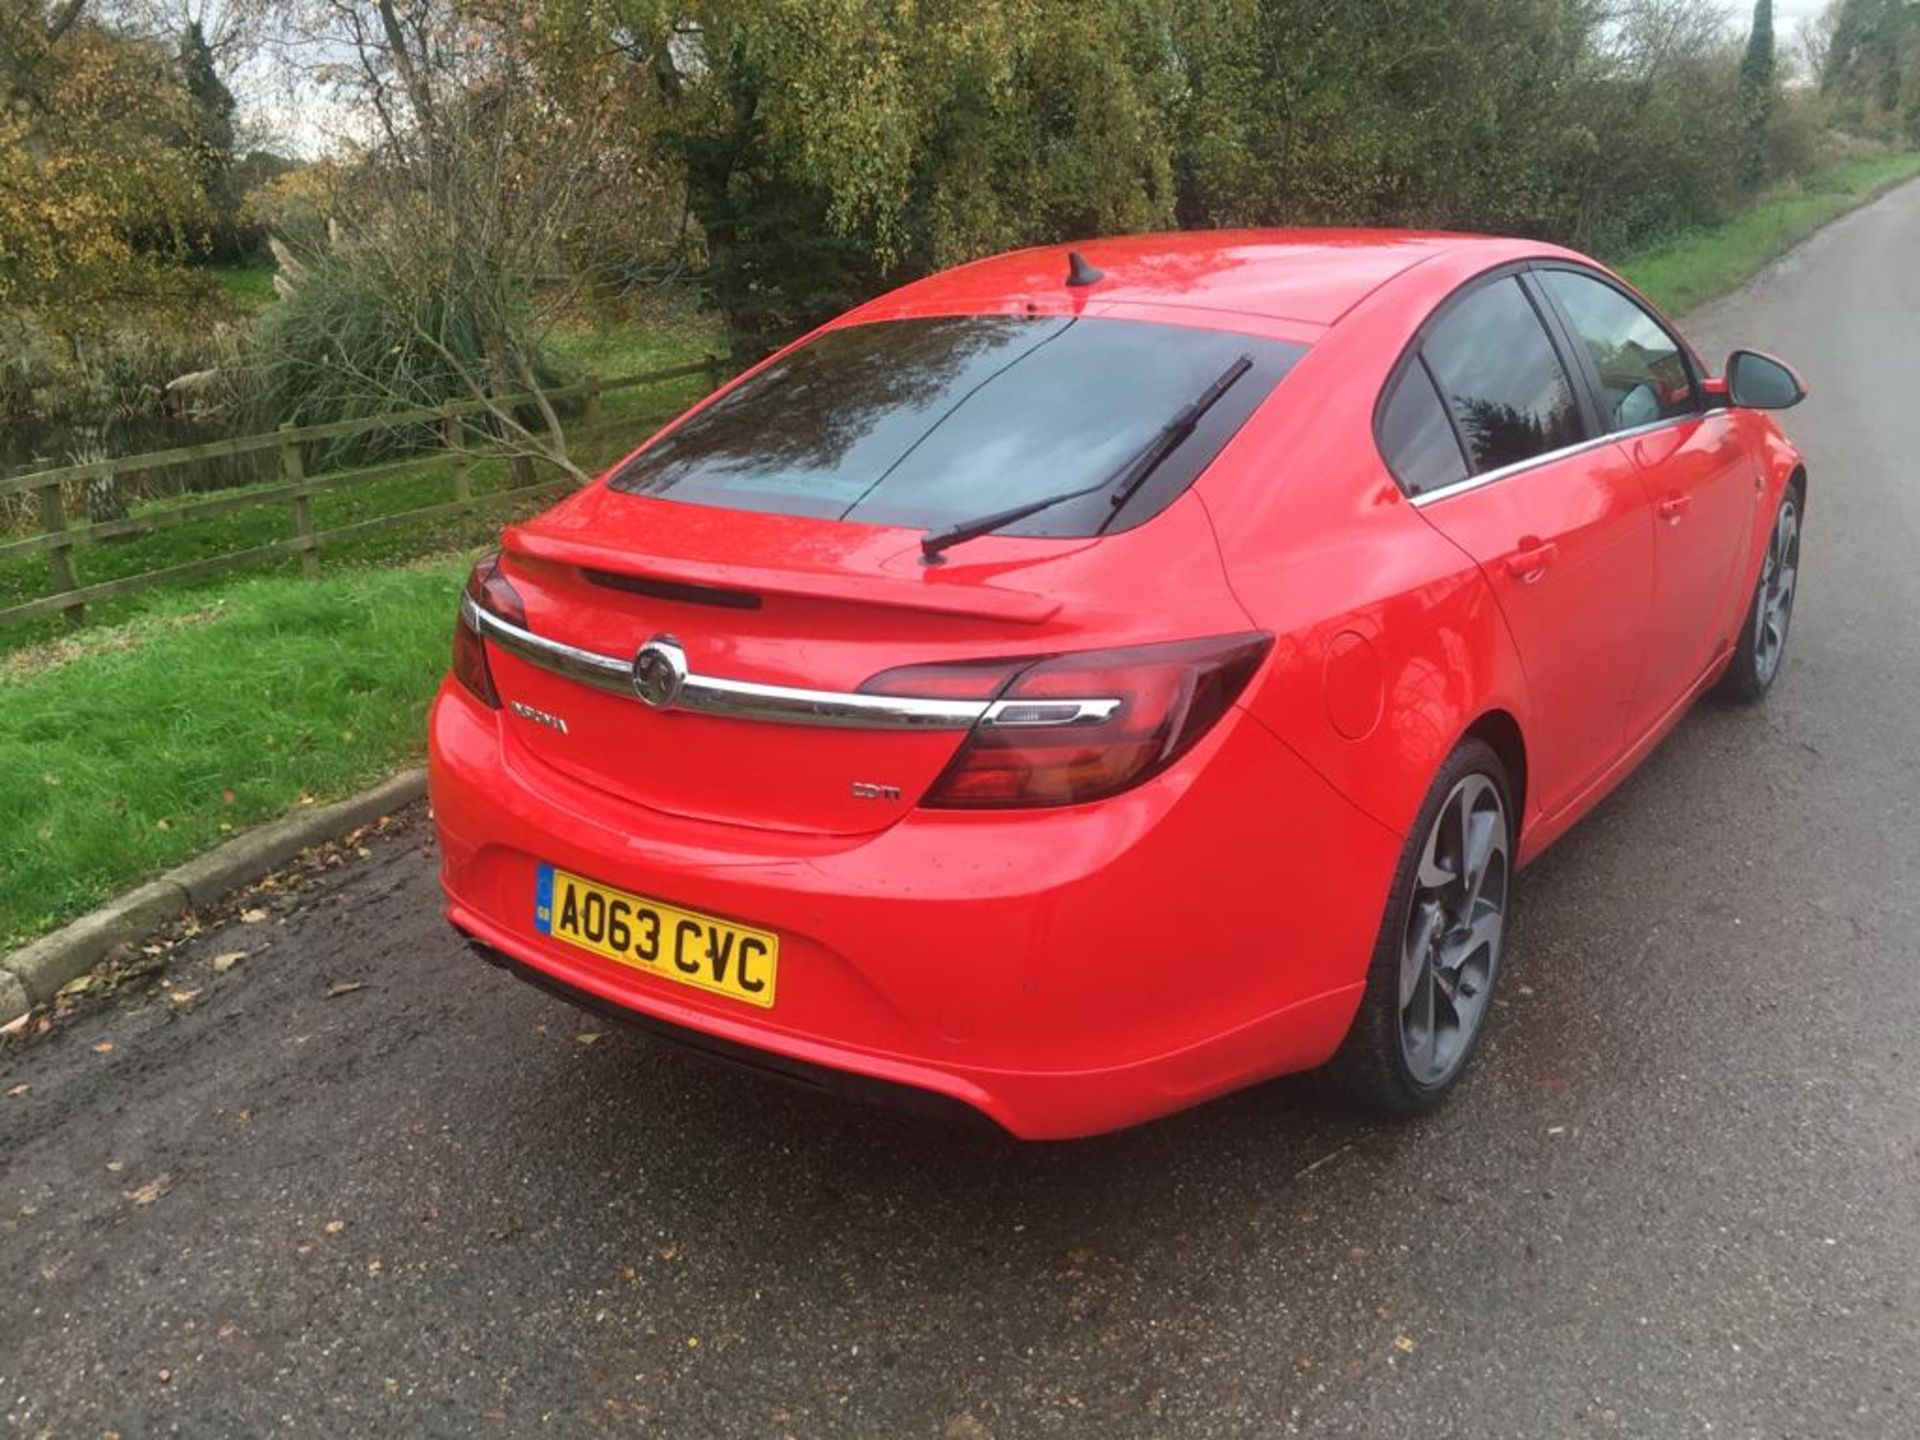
1813	41
1759	79
208	140
1872	70
95	196
466	221
827	148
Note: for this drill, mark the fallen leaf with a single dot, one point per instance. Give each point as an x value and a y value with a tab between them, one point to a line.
182	997
1405	1344
226	960
589	1037
344	987
79	985
1358	1252
103	1048
114	1167
15	1025
165	1376
163	825
17	1091
152	1190
334	1227
253	917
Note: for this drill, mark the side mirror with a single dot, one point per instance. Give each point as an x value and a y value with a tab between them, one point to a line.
1760	382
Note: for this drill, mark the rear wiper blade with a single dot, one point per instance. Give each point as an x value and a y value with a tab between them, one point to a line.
1126	480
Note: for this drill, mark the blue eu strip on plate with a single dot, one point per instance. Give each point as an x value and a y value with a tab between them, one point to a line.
543	900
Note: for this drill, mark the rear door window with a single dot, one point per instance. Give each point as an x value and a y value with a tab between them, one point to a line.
1416	437
1501	377
1643	373
929	422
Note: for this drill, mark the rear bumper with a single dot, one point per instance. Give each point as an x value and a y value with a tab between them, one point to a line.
844	1084
1060	972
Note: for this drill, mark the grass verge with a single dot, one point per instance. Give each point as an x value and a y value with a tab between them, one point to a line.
127	749
1701	264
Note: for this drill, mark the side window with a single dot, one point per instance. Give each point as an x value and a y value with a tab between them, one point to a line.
1500	375
1644	375
1416	437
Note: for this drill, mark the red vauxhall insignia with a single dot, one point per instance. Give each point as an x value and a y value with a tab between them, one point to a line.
1079	684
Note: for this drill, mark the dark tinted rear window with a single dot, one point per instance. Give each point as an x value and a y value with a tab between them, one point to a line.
1416	437
930	422
1495	367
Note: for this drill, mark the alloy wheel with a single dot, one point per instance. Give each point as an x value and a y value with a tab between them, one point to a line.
1450	952
1778	577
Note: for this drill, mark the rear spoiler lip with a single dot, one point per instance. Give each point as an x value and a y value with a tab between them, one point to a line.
931	592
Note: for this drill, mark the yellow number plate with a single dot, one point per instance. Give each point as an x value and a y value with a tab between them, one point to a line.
662	940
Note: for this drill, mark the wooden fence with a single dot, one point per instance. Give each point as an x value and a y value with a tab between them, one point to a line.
292	487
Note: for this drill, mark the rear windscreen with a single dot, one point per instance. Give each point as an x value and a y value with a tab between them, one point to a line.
931	422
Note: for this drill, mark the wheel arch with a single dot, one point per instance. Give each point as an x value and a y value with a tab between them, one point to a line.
1500	730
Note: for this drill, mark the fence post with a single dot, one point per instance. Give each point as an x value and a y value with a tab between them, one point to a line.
293	469
53	520
456	441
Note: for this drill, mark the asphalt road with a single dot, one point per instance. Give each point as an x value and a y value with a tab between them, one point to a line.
1680	1197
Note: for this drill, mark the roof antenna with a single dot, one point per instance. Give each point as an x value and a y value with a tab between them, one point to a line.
1079	272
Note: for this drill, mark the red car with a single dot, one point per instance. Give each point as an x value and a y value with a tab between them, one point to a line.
1082	683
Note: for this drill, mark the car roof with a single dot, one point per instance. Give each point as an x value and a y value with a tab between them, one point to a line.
1310	277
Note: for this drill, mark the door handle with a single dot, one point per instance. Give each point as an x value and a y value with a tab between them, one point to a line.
1674	506
1530	562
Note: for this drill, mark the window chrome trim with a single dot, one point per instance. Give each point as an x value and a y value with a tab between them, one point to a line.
793	705
1547	457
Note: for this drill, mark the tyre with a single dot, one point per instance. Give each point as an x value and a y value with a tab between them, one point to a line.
1763	638
1430	982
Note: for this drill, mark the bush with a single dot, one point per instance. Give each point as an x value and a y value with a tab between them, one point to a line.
343	345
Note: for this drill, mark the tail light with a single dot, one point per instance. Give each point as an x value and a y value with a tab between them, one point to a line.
1079	726
489	590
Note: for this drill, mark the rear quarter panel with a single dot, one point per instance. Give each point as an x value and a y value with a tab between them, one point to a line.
1389	644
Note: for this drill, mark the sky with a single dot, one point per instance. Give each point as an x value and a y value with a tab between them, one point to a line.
1787	15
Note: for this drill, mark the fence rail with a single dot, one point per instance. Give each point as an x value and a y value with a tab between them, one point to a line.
70	594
